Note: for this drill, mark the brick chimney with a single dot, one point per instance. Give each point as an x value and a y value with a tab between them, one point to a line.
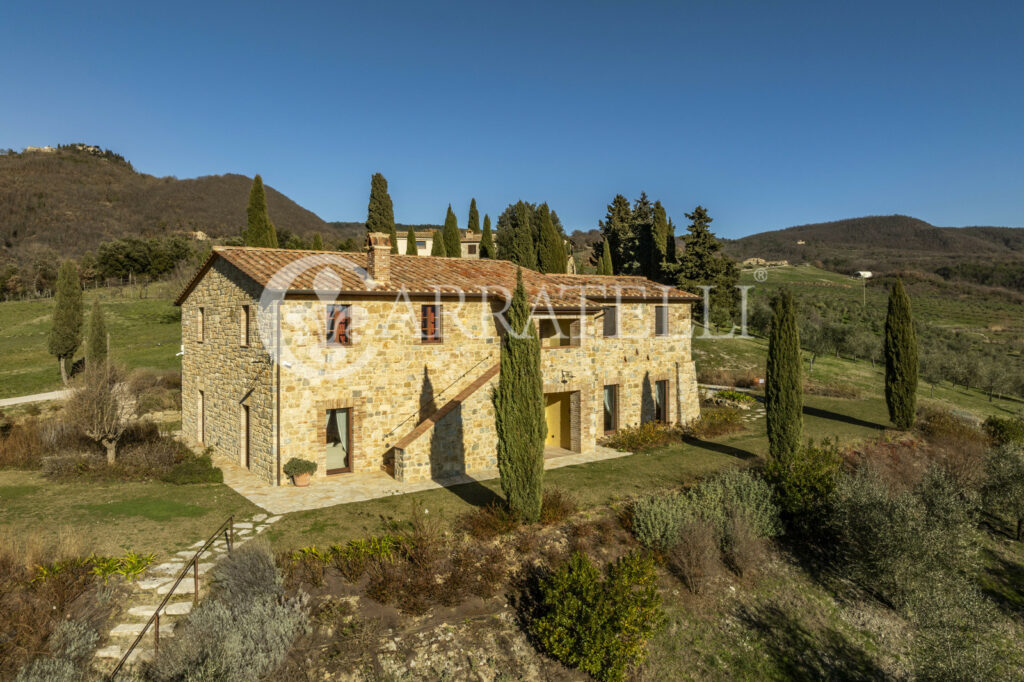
378	258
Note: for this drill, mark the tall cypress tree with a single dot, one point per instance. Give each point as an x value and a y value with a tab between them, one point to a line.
515	235
474	218
704	264
410	243
66	329
380	213
617	230
318	242
670	246
551	257
783	391
519	411
259	230
901	362
452	238
486	240
437	247
604	267
96	343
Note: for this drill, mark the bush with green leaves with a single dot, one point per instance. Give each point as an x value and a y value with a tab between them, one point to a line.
297	466
657	520
598	624
194	469
1003	490
1004	430
242	631
640	437
803	483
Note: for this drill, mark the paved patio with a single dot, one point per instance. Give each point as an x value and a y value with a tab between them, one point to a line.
370	485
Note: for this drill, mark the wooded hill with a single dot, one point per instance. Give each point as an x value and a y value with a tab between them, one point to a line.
983	255
71	200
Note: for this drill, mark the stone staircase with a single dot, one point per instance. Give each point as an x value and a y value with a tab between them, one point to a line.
149	590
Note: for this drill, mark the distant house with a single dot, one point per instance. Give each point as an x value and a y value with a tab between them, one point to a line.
425	242
369	361
800	242
864	274
45	150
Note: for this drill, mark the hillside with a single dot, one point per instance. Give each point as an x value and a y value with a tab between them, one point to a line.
985	255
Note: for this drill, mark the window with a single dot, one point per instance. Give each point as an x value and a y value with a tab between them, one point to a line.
430	323
201	418
472	249
338	325
661	401
661	320
338	440
558	333
421	244
611	321
611	408
243	325
201	325
245	435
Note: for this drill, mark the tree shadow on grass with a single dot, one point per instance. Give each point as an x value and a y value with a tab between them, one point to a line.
475	494
801	654
720	448
1004	583
845	418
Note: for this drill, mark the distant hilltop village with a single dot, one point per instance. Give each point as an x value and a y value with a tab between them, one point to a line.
78	147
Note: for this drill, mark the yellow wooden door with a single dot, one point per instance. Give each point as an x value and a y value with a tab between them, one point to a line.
556	413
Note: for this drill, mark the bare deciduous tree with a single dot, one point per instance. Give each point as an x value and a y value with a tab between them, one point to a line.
101	405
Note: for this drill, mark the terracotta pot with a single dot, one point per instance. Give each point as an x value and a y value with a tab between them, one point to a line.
301	481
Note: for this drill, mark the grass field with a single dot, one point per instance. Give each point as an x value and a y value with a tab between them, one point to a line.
144	332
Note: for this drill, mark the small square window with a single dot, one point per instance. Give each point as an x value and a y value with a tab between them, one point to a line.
430	323
421	244
338	321
661	320
472	249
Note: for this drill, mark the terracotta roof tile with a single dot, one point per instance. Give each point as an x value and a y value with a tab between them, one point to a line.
304	271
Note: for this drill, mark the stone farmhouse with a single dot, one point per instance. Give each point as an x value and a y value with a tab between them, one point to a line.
425	242
369	361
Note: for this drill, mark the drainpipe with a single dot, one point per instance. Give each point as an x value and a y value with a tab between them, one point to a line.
277	399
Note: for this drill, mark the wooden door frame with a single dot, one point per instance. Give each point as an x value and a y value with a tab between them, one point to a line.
348	437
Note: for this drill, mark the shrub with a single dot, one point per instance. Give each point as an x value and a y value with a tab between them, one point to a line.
740	378
557	506
804	482
351	560
640	437
695	557
487	523
1004	431
71	644
715	421
946	425
296	466
657	520
23	447
490	573
194	469
736	397
1003	490
598	625
740	494
742	547
832	389
246	574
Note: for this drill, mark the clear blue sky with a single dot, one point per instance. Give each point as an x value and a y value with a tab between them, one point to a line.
768	113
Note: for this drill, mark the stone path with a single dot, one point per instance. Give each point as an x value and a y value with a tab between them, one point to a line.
148	591
370	485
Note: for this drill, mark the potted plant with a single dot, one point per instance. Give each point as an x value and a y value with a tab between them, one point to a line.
299	470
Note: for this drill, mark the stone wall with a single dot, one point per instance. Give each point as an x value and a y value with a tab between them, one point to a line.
228	373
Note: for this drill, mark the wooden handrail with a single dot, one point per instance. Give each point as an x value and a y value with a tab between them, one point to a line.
228	528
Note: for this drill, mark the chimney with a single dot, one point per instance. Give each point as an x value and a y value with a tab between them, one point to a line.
378	258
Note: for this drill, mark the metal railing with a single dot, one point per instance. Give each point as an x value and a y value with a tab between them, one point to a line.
228	529
437	394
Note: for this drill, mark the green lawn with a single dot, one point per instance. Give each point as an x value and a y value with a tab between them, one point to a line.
144	332
106	518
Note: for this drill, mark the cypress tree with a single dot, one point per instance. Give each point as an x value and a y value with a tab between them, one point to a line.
670	246
66	329
486	240
474	218
96	343
551	256
616	229
452	238
783	391
901	362
519	411
259	230
410	243
703	264
380	213
515	238
604	267
318	242
437	248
